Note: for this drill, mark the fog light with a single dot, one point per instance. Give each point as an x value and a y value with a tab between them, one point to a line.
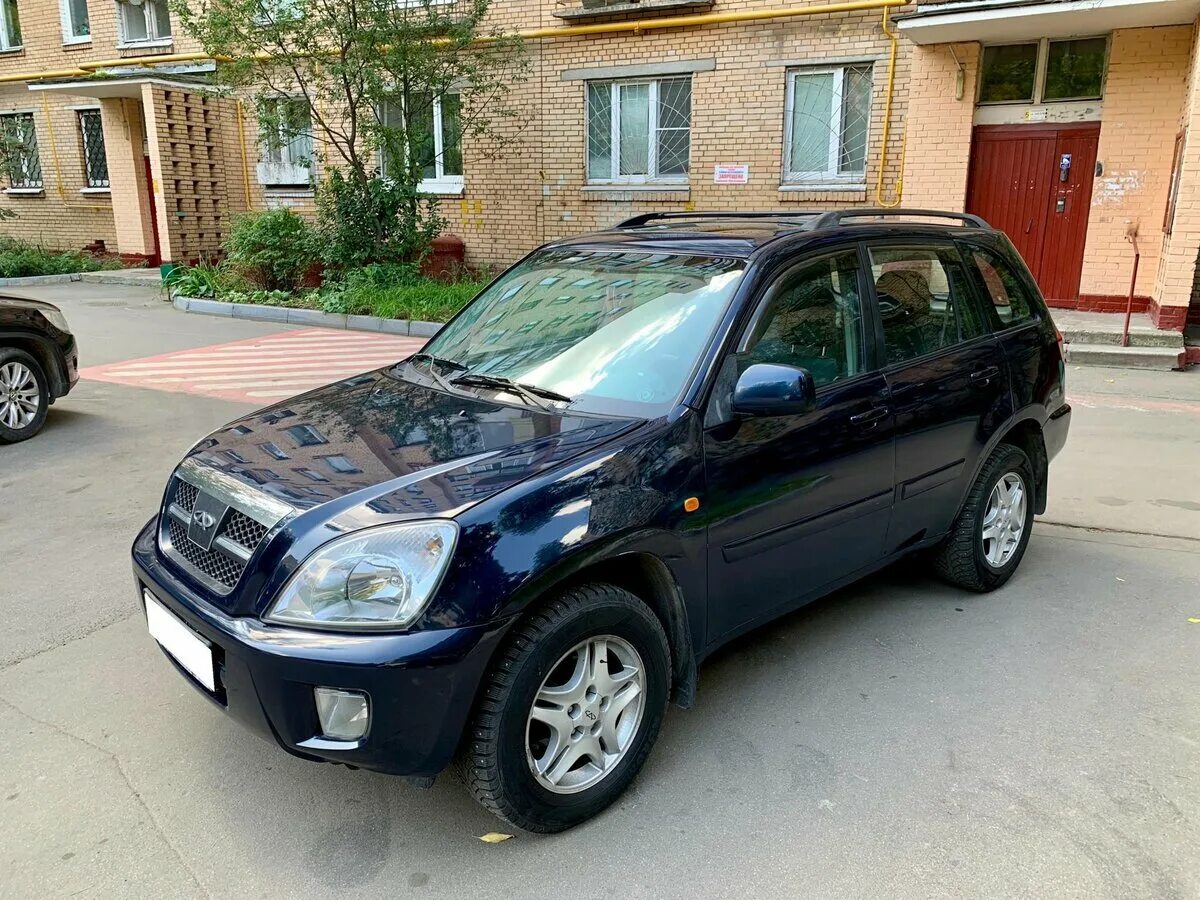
344	714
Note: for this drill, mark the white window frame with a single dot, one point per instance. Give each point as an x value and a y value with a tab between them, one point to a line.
441	183
27	186
830	176
68	24
283	172
7	42
155	37
1041	61
652	176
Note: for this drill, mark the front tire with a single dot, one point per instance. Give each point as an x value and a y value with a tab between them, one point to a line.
24	396
570	709
990	535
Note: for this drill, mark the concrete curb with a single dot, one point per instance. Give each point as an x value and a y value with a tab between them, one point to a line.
315	317
117	276
30	280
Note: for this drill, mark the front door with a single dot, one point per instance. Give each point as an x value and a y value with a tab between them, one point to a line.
947	379
1034	182
799	501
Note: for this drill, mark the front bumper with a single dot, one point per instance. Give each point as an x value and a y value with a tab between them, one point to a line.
421	685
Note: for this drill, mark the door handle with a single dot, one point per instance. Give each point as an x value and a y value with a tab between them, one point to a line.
984	375
870	417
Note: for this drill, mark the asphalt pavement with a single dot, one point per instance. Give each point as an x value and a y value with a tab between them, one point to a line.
898	739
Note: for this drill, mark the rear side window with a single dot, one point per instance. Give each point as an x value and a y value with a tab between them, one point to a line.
813	319
1008	295
924	304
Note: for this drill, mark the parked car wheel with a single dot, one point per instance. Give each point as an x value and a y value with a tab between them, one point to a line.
24	396
991	533
570	709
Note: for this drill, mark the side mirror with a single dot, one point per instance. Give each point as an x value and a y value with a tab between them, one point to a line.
767	389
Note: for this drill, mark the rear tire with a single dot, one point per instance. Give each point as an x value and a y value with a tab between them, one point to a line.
558	734
24	396
990	535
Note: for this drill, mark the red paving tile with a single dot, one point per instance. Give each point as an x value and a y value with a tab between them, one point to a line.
261	370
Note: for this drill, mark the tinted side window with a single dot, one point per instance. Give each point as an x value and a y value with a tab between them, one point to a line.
1007	293
924	303
813	320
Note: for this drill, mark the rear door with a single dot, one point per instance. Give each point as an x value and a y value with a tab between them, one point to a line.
947	380
800	501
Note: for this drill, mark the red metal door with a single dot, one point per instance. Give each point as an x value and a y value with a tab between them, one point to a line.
1017	184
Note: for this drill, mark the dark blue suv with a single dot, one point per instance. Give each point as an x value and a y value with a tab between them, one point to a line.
514	547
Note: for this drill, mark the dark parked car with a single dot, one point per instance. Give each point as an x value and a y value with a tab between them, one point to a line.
38	364
516	546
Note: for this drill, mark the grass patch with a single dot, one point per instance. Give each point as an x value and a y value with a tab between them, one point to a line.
20	259
387	291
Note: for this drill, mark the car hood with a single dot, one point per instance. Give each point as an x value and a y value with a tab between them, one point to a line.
399	447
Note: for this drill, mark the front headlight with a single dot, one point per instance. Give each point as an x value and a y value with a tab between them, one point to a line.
377	578
57	319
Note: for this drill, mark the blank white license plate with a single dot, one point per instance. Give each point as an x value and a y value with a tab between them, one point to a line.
185	646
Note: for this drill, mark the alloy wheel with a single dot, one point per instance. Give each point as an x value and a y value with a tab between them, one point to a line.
20	397
586	714
1004	520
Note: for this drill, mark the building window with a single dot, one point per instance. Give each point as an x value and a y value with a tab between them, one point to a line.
437	142
285	142
76	24
306	436
639	131
144	21
20	151
1043	71
95	160
10	26
273	449
341	465
828	113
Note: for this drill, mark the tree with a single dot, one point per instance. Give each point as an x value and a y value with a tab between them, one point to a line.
374	76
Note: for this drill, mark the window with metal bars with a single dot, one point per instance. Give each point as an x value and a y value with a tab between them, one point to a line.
95	160
19	151
639	130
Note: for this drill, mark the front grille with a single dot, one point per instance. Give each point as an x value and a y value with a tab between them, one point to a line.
185	495
243	530
238	536
216	565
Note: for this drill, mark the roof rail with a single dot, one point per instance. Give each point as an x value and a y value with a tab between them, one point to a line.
833	219
800	218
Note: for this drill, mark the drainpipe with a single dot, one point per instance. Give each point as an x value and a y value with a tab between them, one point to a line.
1131	234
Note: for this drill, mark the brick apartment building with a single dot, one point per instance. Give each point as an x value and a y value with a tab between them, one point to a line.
1066	122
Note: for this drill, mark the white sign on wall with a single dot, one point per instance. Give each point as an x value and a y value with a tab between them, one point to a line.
730	173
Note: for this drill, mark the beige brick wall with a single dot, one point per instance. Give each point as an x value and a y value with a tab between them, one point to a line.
939	125
1178	253
62	215
1145	89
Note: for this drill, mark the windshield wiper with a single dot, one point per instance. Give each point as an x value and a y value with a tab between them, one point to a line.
527	392
434	362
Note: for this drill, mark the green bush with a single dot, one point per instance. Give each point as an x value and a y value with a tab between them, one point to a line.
20	259
378	221
275	248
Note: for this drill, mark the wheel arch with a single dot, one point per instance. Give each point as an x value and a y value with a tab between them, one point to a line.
1027	435
42	350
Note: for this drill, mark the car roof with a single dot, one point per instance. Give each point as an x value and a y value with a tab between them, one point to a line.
744	234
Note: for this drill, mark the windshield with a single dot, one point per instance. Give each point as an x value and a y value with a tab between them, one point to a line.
617	332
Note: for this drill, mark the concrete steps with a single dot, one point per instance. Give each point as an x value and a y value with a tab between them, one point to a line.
1094	339
130	277
1132	357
